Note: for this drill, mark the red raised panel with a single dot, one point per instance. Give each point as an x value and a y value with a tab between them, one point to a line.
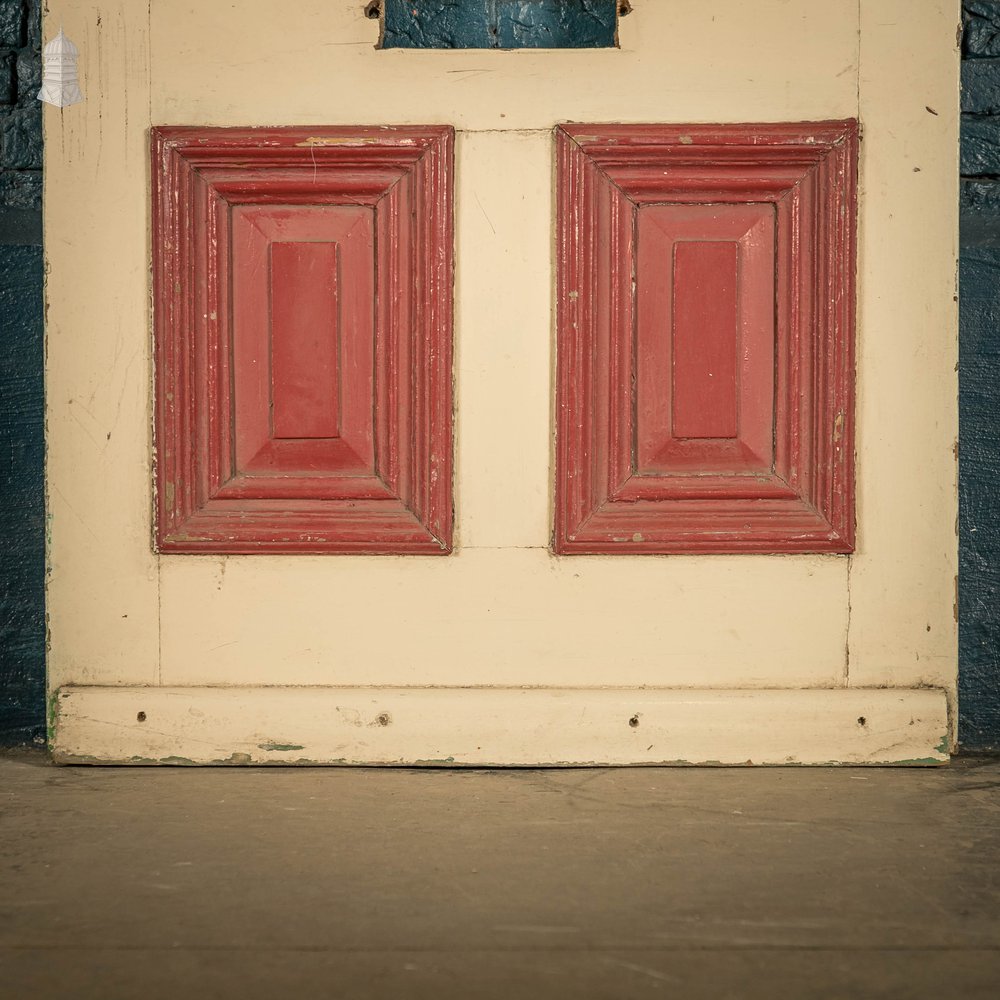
705	338
303	296
305	340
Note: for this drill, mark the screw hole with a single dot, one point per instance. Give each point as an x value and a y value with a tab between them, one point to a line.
141	717
634	721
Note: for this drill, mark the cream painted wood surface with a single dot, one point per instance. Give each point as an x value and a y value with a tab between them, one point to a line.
904	593
680	60
502	611
504	616
500	726
103	578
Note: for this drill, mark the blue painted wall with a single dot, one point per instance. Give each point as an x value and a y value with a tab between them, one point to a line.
22	455
979	381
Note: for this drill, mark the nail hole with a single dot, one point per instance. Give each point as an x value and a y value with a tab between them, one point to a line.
373	10
383	718
862	721
624	8
634	721
141	717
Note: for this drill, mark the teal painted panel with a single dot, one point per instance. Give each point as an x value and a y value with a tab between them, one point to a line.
528	24
981	37
500	24
458	25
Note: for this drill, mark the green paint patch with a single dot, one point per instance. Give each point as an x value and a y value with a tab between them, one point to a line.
279	746
52	714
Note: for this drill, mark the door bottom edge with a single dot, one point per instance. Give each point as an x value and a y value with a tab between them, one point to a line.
499	727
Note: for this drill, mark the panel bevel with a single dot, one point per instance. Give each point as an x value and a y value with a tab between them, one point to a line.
660	448
259	449
304	289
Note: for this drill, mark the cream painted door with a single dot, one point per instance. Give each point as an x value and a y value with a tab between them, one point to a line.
502	652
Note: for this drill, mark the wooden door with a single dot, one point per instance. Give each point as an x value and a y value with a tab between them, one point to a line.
478	519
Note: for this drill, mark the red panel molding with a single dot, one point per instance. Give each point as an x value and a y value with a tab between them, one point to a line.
705	338
302	293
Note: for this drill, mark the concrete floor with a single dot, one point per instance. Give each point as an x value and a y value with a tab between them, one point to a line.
271	883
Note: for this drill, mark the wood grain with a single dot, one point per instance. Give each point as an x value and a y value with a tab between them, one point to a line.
498	727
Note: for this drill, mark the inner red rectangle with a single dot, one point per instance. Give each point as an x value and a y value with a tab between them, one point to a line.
305	339
705	330
303	291
704	367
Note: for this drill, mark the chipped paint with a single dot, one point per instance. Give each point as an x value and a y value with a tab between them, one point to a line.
52	714
412	727
361	140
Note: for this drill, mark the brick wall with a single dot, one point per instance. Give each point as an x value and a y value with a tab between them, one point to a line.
20	112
